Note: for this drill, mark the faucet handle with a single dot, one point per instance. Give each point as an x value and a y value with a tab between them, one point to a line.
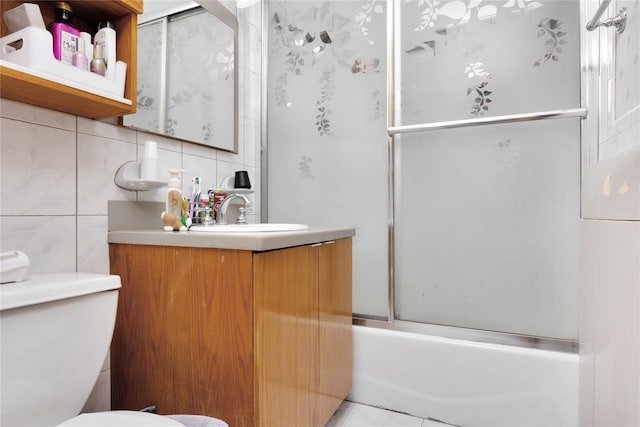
242	217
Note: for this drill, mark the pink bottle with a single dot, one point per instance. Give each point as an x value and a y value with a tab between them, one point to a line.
80	59
64	34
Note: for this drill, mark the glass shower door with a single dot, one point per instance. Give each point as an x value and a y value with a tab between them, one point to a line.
486	215
327	130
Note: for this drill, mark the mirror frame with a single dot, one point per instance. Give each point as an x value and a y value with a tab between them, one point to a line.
227	17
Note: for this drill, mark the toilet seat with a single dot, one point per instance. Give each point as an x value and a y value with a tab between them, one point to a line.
120	419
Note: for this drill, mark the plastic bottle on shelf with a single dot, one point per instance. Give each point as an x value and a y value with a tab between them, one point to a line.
97	63
80	59
106	37
64	33
88	46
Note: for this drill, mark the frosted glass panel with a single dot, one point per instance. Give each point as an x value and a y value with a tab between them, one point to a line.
465	59
186	78
486	227
327	129
149	99
198	105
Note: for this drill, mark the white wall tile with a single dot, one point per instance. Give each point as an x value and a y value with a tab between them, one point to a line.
38	169
98	160
251	142
93	249
29	113
105	130
252	99
610	322
252	45
164	142
200	150
198	166
48	241
227	156
224	169
252	14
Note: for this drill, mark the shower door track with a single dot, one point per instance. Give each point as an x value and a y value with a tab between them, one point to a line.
474	335
513	118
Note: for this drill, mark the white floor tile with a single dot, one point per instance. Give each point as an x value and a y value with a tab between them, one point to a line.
351	414
340	415
369	416
433	423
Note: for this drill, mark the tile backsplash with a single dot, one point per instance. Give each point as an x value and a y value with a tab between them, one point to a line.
55	183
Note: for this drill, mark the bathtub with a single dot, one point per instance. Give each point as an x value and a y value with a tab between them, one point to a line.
462	382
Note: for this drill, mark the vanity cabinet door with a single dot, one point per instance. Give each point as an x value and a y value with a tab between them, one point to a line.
286	336
335	316
184	331
303	333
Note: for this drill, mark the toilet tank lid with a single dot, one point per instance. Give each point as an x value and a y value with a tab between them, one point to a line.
41	288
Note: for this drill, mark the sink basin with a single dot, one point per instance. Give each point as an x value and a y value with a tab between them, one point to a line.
247	228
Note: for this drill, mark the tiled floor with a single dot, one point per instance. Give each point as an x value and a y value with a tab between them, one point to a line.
351	414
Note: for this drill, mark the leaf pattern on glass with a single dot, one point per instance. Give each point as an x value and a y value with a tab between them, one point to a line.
461	13
527	5
507	156
481	99
377	105
207	132
315	40
422	51
476	69
551	30
170	127
365	65
323	124
305	167
144	102
428	13
224	59
364	17
280	90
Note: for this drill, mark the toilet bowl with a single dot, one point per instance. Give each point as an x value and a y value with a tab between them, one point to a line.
56	331
120	419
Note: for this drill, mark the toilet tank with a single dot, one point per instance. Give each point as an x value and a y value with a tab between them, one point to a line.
55	331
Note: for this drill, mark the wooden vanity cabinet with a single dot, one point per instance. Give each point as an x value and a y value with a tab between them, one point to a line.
252	338
41	92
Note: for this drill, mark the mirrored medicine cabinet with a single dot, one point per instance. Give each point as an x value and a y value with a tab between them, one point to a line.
187	72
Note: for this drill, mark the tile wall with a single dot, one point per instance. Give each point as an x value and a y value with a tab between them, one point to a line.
57	170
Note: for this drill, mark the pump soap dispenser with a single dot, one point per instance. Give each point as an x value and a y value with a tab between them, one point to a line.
172	216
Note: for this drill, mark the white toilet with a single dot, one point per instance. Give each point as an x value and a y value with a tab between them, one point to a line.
55	331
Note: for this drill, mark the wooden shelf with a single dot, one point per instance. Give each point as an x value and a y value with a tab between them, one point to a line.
44	93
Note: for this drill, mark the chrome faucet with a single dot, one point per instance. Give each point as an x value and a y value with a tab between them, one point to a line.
222	214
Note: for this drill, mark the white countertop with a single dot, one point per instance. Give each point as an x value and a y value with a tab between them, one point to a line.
260	241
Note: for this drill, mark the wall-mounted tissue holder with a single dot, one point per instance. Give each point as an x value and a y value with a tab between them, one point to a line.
128	178
227	186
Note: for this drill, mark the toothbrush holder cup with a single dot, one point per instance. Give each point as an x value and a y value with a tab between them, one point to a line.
241	180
